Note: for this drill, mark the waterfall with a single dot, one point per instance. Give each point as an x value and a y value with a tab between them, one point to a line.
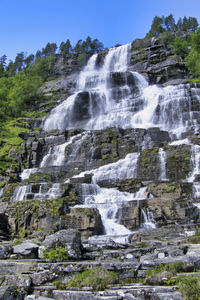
112	96
45	192
108	201
149	222
27	172
162	156
195	162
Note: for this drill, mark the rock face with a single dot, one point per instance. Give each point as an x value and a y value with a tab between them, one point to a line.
112	178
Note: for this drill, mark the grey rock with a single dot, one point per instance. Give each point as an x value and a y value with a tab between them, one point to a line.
42	277
32	297
5	251
27	249
19	281
69	239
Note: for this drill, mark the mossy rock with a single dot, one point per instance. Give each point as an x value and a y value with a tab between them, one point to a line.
27	217
178	162
148	164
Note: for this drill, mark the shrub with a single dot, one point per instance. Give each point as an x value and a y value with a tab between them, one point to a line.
55	255
98	279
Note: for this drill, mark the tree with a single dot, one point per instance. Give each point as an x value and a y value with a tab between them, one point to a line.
193	58
78	48
49	49
195	41
11	68
19	61
65	48
96	46
156	27
29	60
192	24
3	59
170	24
179	25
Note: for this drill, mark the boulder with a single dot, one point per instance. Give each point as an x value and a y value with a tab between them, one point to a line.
26	250
86	220
69	239
5	251
4	227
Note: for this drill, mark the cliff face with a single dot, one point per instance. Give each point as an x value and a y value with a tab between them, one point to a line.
118	161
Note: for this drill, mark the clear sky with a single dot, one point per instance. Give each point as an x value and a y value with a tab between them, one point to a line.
28	25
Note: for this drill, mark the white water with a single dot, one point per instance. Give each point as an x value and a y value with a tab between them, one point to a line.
56	154
195	164
45	192
162	156
124	168
27	172
149	222
168	107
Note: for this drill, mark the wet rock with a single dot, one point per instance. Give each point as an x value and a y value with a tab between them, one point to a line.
86	220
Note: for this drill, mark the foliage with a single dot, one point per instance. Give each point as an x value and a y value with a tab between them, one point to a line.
163	24
189	286
55	255
193	58
10	143
98	279
172	268
181	46
16	93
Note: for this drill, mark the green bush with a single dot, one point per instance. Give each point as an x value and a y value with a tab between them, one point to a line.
172	268
98	279
189	286
55	255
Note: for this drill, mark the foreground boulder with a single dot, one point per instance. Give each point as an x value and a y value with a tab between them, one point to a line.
68	239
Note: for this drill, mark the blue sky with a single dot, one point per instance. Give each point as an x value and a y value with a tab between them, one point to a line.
28	25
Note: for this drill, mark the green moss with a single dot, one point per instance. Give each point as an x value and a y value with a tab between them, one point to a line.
194	80
23	232
8	191
170	188
178	162
39	177
56	255
55	205
146	157
10	144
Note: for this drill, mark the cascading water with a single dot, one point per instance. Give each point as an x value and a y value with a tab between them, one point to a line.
162	156
113	96
149	222
45	192
195	162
